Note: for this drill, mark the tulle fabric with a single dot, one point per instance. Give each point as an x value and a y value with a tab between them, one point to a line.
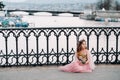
77	66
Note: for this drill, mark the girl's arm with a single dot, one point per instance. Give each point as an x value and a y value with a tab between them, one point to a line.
88	57
75	57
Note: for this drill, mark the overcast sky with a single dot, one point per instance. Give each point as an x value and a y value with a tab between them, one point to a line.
51	0
13	0
45	1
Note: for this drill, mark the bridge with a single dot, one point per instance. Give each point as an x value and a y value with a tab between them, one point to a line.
54	13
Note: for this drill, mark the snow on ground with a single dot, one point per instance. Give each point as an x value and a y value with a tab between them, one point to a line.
65	21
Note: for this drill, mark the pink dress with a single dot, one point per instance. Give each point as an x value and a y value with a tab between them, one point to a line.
77	66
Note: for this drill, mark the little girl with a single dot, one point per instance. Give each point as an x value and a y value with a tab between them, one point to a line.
83	60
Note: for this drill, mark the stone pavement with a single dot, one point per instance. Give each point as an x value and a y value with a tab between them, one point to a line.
102	72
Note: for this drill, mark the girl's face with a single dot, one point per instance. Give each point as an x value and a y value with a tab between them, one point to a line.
84	45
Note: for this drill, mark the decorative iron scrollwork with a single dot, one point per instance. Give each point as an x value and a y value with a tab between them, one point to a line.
57	55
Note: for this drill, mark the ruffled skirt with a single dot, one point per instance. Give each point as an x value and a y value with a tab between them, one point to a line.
76	66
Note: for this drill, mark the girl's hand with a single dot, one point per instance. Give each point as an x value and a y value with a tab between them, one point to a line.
87	62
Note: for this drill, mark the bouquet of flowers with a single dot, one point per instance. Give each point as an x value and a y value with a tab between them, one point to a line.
83	58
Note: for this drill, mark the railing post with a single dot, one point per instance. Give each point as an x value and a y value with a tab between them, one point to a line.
57	49
37	47
77	39
47	38
116	61
6	46
17	51
97	60
107	54
67	38
88	41
27	50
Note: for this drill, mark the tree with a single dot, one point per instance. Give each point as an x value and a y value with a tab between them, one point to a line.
117	5
108	4
1	5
